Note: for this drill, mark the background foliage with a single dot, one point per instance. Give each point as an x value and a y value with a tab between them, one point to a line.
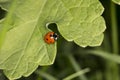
102	62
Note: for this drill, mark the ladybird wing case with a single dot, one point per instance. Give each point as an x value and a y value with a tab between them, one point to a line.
49	38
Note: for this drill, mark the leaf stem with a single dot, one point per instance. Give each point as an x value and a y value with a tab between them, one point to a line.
45	75
70	77
115	68
114	28
76	66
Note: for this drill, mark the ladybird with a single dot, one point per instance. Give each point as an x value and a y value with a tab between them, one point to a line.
50	37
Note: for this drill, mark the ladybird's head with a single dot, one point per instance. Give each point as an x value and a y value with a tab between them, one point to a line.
55	36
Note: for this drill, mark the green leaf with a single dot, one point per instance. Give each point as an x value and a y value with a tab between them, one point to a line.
116	1
87	26
24	48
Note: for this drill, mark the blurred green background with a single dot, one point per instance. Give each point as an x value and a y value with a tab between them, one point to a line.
72	58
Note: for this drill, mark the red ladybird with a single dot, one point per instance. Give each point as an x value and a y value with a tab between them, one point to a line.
50	37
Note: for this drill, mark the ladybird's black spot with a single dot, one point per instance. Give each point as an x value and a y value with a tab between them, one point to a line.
51	35
47	39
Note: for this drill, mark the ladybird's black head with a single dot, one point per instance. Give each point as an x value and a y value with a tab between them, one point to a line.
55	36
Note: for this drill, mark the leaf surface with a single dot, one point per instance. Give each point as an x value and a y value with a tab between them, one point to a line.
24	47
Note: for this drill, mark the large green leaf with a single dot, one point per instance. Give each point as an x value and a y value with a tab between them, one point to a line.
87	25
24	47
